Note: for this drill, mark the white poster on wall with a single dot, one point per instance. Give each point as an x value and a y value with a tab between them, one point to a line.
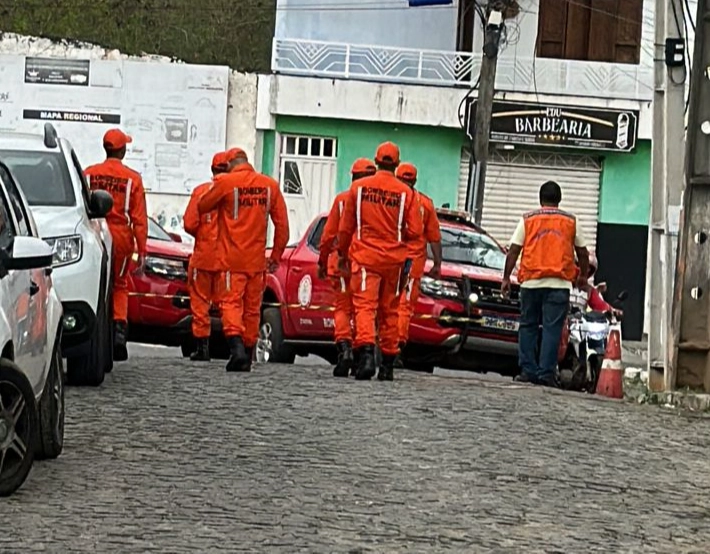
176	113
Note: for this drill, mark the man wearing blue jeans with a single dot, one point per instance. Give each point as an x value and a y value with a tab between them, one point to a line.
549	239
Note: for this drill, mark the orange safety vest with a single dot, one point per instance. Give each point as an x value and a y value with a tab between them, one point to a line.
548	251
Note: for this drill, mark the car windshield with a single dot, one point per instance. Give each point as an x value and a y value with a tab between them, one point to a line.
156	232
43	177
466	246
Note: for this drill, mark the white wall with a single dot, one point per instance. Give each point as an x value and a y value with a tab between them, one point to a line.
241	113
407	104
385	23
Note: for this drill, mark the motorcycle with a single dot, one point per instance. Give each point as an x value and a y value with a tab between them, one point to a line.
583	347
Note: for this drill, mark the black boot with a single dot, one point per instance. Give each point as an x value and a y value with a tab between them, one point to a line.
345	359
398	361
238	360
367	367
202	351
356	362
250	357
386	372
120	336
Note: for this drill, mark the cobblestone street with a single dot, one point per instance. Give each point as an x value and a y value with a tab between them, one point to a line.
168	457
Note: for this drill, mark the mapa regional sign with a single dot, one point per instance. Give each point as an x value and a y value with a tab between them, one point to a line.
561	126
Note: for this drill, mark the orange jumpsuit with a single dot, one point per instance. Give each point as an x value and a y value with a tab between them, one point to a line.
205	270
329	258
380	215
418	254
127	221
244	200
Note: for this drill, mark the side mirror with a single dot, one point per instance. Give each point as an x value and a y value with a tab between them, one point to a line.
176	237
28	253
100	204
623	295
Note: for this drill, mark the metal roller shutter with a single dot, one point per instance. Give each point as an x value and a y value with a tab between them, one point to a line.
513	181
463	179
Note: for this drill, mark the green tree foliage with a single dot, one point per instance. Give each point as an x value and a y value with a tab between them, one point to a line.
236	33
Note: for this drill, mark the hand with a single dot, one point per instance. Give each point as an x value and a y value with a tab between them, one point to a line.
140	264
322	272
271	265
435	271
617	313
505	287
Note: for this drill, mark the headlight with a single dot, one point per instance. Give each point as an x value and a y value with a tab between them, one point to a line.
165	267
439	289
65	250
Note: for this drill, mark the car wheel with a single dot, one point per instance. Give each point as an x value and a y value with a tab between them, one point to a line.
108	357
18	428
187	347
270	347
90	370
51	410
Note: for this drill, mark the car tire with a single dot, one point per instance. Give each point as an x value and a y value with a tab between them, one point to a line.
16	391
51	410
90	370
187	347
108	368
270	347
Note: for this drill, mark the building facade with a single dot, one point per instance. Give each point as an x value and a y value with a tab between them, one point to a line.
572	106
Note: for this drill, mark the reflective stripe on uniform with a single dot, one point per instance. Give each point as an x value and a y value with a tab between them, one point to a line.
400	217
363	279
228	279
235	203
268	202
358	213
340	207
123	267
342	285
127	204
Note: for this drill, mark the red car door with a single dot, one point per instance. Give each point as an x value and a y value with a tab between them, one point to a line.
310	299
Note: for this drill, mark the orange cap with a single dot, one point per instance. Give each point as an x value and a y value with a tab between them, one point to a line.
115	139
219	160
407	172
363	166
387	152
234	153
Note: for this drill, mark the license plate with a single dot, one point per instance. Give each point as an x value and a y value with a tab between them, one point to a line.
498	323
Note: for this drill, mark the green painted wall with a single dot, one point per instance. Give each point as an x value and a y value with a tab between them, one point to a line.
267	152
436	151
626	187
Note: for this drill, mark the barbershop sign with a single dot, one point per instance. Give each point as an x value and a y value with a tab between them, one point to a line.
561	126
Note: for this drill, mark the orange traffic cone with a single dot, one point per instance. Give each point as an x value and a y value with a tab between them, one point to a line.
611	377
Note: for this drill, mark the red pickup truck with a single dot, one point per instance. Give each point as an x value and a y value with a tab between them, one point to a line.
461	321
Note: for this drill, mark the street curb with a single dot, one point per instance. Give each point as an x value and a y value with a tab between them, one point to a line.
636	391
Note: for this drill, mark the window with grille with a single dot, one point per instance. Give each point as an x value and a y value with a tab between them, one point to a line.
295	152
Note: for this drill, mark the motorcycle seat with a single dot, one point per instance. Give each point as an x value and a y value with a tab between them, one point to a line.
596	317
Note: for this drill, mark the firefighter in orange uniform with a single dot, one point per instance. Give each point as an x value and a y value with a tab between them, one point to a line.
407	173
204	271
380	217
328	267
244	201
127	221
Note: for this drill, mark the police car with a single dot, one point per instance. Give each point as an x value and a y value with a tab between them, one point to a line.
70	219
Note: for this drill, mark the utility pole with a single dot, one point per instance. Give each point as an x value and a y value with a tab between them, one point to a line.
484	106
667	187
689	343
